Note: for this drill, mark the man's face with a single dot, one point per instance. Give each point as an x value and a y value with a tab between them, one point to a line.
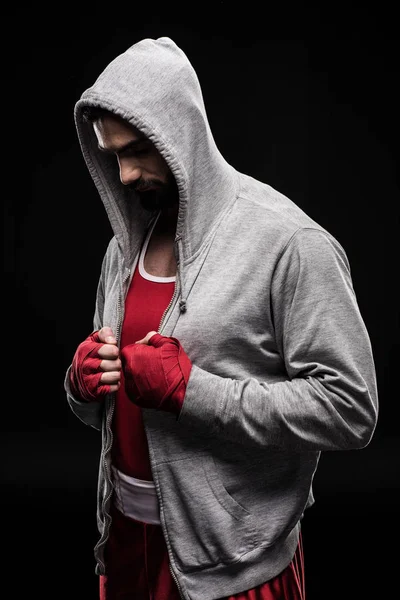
141	166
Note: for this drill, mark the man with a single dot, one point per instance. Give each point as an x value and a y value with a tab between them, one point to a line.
227	351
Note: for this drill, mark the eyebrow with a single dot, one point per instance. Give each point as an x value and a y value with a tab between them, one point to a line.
118	149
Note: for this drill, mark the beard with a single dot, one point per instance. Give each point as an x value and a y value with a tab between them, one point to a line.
164	195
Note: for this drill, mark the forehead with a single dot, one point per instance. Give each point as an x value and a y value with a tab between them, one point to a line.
112	129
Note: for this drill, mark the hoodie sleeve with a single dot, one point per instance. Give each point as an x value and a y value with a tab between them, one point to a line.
89	412
329	400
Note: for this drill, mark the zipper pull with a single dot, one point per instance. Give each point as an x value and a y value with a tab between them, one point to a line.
182	306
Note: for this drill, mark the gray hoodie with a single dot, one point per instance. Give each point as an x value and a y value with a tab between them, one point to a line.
265	308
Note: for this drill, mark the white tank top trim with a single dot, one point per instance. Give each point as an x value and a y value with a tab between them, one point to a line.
142	270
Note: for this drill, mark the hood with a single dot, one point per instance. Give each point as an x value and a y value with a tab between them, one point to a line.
154	87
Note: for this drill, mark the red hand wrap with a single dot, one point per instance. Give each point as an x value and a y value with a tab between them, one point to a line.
85	370
156	374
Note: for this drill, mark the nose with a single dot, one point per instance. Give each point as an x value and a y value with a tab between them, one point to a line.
129	170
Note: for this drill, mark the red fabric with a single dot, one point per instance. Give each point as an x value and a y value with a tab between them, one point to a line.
156	374
138	568
144	306
137	562
85	371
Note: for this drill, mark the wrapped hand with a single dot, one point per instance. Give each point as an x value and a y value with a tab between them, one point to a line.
96	366
156	371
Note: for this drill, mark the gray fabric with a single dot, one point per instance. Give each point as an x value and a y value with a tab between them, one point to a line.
265	308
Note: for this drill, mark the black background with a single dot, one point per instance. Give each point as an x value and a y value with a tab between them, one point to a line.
305	100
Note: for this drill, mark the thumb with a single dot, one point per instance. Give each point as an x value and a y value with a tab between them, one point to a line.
106	335
145	340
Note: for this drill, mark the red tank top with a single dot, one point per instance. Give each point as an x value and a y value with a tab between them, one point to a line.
148	296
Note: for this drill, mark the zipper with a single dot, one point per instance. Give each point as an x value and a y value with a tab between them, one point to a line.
178	288
119	307
108	429
176	581
160	326
107	480
171	302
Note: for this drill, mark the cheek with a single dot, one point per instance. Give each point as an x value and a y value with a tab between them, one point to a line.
159	167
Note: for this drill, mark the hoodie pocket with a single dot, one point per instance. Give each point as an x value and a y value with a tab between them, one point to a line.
204	525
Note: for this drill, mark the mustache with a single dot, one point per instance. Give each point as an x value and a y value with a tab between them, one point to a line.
142	184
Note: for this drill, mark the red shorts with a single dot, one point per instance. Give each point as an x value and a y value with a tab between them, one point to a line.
137	567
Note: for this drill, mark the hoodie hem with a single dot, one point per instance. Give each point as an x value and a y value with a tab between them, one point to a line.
254	568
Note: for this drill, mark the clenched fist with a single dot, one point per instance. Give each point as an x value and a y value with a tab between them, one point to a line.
96	366
156	371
